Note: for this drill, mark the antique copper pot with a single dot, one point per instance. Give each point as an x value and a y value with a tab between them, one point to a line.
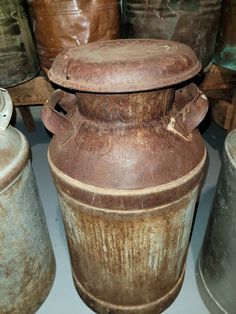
27	263
60	24
127	161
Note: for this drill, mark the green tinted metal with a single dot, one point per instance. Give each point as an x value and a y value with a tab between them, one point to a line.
226	41
18	58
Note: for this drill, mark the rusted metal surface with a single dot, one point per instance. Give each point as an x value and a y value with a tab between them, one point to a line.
18	56
193	22
225	54
59	25
128	261
216	268
27	264
133	66
127	168
110	145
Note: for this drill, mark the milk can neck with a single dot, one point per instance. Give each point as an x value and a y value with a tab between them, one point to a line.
127	108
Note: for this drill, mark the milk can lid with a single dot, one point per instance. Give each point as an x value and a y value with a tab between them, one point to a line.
13	145
125	65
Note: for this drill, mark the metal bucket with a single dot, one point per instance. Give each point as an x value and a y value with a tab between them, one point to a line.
225	54
127	162
27	264
191	22
216	274
18	57
59	25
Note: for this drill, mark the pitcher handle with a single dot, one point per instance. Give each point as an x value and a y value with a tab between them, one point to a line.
54	121
6	108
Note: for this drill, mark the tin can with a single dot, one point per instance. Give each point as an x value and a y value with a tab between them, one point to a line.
127	162
216	275
18	57
27	264
59	25
192	22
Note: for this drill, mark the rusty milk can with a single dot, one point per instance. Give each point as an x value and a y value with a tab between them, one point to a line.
18	57
216	274
27	265
60	24
127	161
192	22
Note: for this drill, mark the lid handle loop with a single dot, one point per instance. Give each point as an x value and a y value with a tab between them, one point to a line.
6	108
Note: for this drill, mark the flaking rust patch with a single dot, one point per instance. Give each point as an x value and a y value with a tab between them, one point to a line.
171	128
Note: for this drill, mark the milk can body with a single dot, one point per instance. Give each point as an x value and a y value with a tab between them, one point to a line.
59	25
127	162
216	272
194	23
27	265
226	39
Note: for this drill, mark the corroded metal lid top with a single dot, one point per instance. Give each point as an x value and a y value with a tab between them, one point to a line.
124	65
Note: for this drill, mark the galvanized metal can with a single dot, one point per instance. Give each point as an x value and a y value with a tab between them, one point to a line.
18	57
27	264
127	162
216	274
225	54
59	25
193	22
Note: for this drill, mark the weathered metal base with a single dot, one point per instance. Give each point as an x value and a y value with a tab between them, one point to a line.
154	307
211	303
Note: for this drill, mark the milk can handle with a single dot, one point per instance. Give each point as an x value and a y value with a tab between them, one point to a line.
192	113
53	120
6	108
